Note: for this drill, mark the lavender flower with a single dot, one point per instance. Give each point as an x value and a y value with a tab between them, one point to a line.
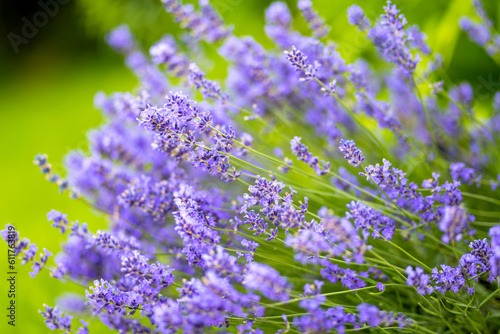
494	258
460	173
210	300
136	267
278	14
374	317
266	280
483	253
477	32
332	237
46	168
37	266
351	153
209	89
314	297
300	63
348	277
389	37
325	321
251	247
55	319
367	219
121	39
417	39
59	220
302	152
280	211
166	53
224	264
29	254
454	224
174	126
111	243
448	279
204	24
356	16
369	314
418	279
195	230
82	261
316	23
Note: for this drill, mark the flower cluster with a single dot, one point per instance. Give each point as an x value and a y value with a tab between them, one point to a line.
351	153
316	23
357	17
391	39
463	174
204	24
302	153
55	319
471	266
282	249
209	89
420	280
179	126
46	168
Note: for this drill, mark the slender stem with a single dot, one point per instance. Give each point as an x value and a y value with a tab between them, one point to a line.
336	293
427	116
408	254
481	197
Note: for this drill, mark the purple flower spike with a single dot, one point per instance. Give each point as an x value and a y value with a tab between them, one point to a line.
356	16
314	298
278	14
454	223
121	39
467	175
353	154
300	63
390	38
316	23
54	319
209	89
265	279
302	152
420	280
204	24
448	278
494	260
59	220
477	32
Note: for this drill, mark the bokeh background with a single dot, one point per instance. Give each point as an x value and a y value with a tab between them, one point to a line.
47	87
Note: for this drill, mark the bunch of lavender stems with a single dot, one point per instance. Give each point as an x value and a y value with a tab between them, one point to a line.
304	194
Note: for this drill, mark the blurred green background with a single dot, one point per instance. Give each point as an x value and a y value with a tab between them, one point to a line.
47	89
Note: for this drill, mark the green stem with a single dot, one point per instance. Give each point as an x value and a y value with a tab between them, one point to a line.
427	116
481	197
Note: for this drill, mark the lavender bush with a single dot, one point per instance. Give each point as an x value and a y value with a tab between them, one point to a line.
302	195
